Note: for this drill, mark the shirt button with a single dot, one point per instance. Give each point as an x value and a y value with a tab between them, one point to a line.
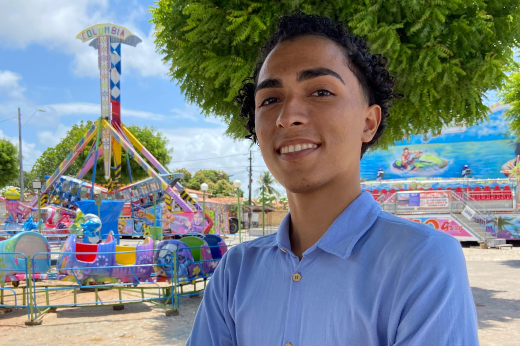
283	250
296	277
288	344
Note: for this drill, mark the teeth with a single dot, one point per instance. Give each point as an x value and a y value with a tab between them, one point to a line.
297	147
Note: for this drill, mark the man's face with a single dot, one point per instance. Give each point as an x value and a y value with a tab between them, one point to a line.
309	100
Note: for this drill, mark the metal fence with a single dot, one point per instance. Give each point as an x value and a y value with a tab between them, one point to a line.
72	286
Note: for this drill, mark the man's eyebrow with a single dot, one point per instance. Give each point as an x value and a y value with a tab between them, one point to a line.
317	72
269	83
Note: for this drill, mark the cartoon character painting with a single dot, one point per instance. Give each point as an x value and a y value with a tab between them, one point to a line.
164	258
420	161
197	222
16	209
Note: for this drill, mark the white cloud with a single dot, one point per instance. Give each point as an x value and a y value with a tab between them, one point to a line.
9	84
29	152
55	24
86	108
51	139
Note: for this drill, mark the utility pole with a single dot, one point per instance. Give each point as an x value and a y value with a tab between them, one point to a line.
22	196
250	214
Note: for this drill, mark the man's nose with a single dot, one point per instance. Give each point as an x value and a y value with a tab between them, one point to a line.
293	113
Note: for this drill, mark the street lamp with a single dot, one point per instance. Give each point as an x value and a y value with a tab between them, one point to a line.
204	188
37	185
22	192
237	184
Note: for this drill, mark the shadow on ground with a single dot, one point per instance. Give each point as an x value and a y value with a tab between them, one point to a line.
511	263
491	308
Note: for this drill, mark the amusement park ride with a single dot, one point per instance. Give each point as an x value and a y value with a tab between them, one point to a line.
87	220
108	136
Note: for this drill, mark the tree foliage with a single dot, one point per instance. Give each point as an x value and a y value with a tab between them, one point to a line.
218	182
511	94
8	162
269	199
445	53
150	137
267	181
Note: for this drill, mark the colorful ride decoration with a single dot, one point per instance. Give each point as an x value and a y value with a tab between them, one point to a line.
196	256
91	226
484	147
109	212
16	209
512	169
164	258
420	161
30	225
105	262
13	265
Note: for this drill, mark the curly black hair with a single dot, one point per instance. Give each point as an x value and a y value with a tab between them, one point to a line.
370	69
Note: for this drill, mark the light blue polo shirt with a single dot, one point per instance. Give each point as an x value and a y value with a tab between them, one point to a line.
372	279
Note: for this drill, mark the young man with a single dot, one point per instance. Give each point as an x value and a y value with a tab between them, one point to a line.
339	271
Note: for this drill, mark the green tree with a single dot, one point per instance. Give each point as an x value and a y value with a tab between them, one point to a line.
218	182
284	201
8	162
510	93
150	137
446	53
270	199
267	181
187	175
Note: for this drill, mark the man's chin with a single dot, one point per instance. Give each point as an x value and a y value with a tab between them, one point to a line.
299	187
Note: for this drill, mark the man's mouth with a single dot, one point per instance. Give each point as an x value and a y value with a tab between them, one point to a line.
297	147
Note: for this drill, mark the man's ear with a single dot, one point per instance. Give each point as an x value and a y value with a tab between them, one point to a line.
372	120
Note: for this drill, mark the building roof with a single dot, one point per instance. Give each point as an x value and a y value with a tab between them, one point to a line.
224	200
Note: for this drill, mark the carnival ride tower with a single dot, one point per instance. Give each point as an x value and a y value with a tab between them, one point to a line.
109	130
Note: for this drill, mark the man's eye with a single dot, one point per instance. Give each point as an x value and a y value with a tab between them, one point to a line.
322	93
268	101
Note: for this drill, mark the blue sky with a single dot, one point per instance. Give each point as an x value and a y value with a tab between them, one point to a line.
43	66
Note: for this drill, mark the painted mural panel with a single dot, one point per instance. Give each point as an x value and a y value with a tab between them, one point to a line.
444	224
485	148
501	226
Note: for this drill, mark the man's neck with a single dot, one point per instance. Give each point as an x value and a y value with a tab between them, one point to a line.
313	213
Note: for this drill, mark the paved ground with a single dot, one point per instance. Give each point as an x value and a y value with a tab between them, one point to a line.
493	277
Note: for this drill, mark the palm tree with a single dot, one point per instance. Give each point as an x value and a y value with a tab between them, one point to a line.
501	224
267	181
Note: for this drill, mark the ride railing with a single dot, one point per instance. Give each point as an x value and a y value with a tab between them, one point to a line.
439	202
134	288
12	266
180	277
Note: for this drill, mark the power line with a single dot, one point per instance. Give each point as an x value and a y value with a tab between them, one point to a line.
212	158
31	117
8	119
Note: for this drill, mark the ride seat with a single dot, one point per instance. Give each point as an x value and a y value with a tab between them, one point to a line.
81	247
506	193
496	194
486	194
127	258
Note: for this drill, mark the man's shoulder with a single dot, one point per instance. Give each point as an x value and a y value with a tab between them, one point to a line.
410	235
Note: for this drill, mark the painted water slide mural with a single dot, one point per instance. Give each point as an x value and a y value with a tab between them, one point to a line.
486	148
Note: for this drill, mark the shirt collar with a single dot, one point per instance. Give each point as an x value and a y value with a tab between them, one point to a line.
342	235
